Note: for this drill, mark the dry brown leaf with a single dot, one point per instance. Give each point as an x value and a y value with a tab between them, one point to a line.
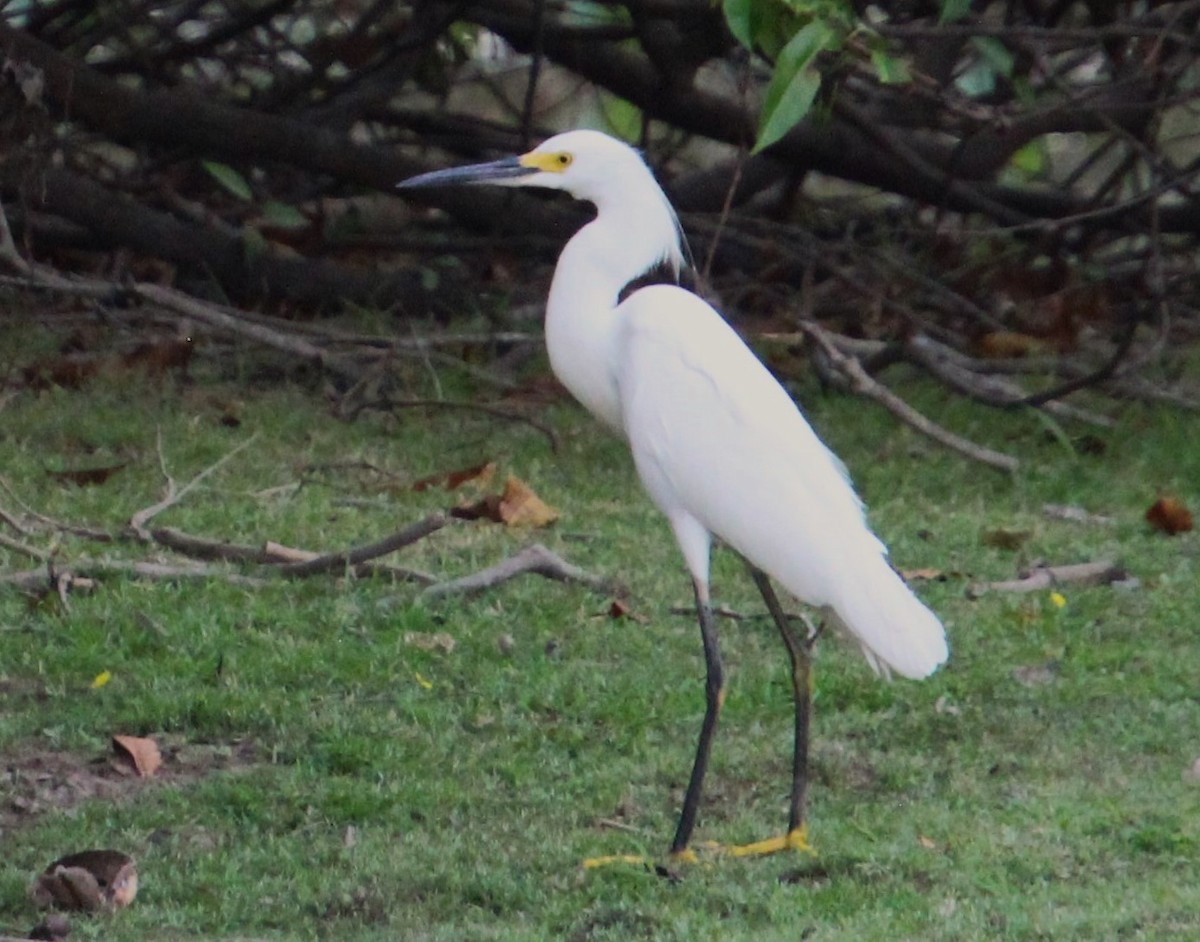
1170	515
156	357
422	641
89	880
141	753
619	610
927	842
922	575
521	507
479	474
1007	345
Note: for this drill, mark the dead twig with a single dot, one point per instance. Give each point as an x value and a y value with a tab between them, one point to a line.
90	533
23	548
275	554
350	558
1075	514
1102	572
34	579
947	365
862	383
534	559
137	523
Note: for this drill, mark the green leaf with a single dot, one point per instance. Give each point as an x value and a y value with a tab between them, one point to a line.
793	104
794	84
977	81
623	117
283	216
953	10
739	15
230	179
891	70
995	54
1030	159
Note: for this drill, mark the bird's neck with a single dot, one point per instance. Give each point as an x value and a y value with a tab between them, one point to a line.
582	321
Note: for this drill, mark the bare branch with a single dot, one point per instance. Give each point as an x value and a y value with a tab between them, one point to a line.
536	559
864	384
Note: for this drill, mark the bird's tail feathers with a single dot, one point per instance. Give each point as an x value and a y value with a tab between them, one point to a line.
896	631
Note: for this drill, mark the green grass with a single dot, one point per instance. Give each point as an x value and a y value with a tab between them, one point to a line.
345	798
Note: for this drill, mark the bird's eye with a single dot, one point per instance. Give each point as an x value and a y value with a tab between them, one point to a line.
564	160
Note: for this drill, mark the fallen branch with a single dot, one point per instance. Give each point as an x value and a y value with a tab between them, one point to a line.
1102	572
534	559
862	383
34	579
1075	514
947	365
352	557
24	549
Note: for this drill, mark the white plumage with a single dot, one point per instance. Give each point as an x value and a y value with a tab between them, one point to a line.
718	443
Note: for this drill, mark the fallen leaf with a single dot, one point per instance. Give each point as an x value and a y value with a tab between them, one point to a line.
1004	539
517	506
422	641
927	842
101	679
922	575
86	477
1007	345
521	507
1170	515
479	474
156	357
619	610
423	681
142	753
506	643
89	880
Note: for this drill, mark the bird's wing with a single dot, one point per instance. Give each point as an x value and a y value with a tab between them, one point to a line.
722	440
715	437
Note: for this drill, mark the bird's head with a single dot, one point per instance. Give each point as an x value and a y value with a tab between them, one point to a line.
589	165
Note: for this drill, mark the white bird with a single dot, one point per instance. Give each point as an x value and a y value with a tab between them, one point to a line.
719	445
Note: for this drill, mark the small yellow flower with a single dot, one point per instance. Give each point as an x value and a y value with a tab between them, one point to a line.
1057	599
101	679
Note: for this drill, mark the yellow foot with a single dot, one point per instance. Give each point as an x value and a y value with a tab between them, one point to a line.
637	860
796	840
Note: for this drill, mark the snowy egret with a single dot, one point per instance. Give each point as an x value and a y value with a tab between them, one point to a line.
719	445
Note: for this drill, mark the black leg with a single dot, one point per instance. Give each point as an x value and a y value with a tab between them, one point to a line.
801	694
714	696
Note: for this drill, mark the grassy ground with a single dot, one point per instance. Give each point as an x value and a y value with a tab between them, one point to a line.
328	779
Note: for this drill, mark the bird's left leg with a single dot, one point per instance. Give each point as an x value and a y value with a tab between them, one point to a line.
798	653
714	699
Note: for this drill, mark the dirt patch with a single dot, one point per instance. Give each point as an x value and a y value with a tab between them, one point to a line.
35	781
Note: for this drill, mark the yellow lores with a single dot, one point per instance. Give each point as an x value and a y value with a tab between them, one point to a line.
718	444
556	162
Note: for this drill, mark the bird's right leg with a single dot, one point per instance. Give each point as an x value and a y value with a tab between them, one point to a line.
798	653
714	698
